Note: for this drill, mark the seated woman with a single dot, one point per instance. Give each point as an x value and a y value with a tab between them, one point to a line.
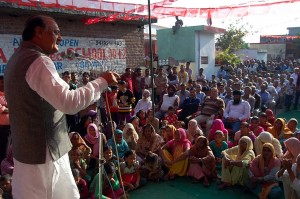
217	125
174	149
289	174
149	141
244	131
270	116
266	137
193	129
201	161
263	121
235	163
292	124
135	121
169	133
254	126
120	145
79	143
153	121
217	146
280	131
92	139
130	136
262	174
292	146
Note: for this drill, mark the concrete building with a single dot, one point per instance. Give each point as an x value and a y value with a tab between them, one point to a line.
195	44
111	46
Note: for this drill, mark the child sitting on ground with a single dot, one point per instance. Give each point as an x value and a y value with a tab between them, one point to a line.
77	161
81	185
111	184
131	172
152	170
171	116
217	146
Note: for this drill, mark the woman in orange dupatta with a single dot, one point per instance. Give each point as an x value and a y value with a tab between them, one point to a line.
174	149
280	131
262	173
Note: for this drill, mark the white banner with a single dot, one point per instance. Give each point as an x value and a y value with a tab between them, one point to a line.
98	53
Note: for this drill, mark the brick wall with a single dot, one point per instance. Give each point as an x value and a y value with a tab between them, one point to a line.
73	26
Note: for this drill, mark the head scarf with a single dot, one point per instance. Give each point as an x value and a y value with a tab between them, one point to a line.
249	147
293	148
183	139
93	140
148	98
126	128
75	133
261	165
193	128
171	135
194	151
266	137
284	129
217	125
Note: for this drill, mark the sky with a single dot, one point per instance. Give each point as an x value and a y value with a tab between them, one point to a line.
273	22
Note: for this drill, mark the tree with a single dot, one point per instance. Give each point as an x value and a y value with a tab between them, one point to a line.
232	39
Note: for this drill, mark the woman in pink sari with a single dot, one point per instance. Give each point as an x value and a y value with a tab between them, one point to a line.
173	150
262	173
92	139
292	149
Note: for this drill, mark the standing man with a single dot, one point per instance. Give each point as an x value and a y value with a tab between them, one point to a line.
38	100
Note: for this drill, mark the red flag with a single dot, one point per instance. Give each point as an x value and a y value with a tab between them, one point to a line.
209	20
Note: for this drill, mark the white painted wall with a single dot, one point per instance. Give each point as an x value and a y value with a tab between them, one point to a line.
205	46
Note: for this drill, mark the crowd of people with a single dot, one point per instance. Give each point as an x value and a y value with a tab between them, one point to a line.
221	128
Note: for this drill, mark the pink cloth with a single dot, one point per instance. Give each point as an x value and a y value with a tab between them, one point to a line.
217	125
93	140
293	148
7	165
195	171
183	141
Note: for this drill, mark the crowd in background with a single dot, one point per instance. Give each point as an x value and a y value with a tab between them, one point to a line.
220	128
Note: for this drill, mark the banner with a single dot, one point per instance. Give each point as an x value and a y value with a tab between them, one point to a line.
98	54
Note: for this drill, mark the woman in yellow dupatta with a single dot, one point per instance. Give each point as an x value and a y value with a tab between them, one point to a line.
280	130
262	173
235	163
174	149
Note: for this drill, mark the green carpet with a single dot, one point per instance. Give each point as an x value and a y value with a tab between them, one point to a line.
182	188
290	114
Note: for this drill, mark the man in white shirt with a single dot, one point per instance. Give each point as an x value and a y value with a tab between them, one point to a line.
236	111
39	99
170	99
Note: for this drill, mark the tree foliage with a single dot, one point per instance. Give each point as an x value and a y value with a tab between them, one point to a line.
224	57
232	39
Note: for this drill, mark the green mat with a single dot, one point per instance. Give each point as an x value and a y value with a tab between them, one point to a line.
182	188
